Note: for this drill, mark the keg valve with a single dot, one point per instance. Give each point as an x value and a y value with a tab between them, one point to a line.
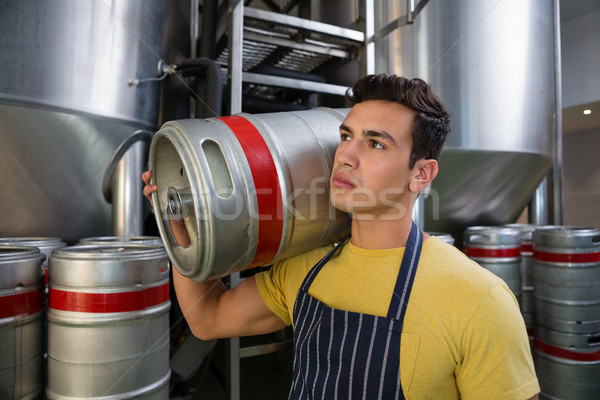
176	212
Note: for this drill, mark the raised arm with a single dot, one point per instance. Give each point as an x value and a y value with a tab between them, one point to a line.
213	311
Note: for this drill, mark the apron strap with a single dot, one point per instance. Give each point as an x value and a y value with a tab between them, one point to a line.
407	273
310	277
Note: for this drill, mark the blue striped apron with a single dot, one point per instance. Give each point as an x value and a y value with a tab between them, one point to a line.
346	355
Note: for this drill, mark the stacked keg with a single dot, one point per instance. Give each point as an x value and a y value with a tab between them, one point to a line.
21	322
108	321
444	237
46	245
527	303
566	274
497	249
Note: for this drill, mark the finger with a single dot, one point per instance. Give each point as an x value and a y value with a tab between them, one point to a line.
146	176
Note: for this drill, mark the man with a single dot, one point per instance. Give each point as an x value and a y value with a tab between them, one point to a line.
390	313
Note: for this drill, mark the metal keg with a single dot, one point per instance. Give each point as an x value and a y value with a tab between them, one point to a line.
46	245
108	322
566	272
567	365
245	190
527	304
497	249
445	237
151	240
21	322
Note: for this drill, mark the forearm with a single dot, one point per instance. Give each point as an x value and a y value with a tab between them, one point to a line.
198	302
213	311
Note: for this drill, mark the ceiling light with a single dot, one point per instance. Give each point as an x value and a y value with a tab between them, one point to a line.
587	112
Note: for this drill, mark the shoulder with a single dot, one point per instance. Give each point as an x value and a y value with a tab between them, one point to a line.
447	265
447	273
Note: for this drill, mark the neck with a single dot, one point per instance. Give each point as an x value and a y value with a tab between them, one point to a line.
381	234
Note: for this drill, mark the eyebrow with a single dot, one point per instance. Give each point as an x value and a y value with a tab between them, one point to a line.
372	133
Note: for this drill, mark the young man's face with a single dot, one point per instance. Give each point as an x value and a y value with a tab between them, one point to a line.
370	174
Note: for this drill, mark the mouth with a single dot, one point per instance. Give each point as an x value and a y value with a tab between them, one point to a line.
341	181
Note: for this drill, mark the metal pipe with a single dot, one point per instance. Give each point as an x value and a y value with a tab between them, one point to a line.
557	189
236	37
538	206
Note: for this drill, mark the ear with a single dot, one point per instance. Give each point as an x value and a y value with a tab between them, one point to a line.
422	174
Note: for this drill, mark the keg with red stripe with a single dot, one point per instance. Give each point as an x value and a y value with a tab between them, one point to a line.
497	249
566	273
566	270
108	322
21	322
567	365
46	245
245	190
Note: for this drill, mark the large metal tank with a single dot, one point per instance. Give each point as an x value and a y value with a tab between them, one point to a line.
66	104
493	65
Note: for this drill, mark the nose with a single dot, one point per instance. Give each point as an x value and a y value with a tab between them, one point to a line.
347	153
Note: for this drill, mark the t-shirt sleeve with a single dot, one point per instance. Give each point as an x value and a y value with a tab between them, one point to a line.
272	290
496	359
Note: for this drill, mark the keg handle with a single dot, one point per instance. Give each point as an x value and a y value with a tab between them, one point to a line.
176	210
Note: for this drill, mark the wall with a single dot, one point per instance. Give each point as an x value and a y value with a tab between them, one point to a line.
581	179
581	84
581	59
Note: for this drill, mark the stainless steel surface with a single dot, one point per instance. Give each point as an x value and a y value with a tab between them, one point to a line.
561	378
318	87
295	22
446	237
21	322
79	56
127	197
492	242
567	375
104	240
496	75
538	206
46	245
235	55
204	160
94	353
556	177
65	105
567	290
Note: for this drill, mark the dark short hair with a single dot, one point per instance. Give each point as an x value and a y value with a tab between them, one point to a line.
431	124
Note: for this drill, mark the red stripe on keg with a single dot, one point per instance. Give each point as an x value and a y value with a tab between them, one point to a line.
266	183
492	253
22	303
526	248
567	257
564	353
108	302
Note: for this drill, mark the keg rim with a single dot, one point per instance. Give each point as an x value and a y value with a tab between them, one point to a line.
9	251
108	251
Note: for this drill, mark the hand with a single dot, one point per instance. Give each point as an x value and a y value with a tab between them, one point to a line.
148	189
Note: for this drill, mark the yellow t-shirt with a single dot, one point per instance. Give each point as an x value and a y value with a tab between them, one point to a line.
463	335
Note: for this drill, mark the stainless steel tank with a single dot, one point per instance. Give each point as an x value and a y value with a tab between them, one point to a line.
247	189
21	322
66	105
108	322
493	65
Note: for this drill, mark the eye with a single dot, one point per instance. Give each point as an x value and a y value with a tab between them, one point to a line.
375	144
345	136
